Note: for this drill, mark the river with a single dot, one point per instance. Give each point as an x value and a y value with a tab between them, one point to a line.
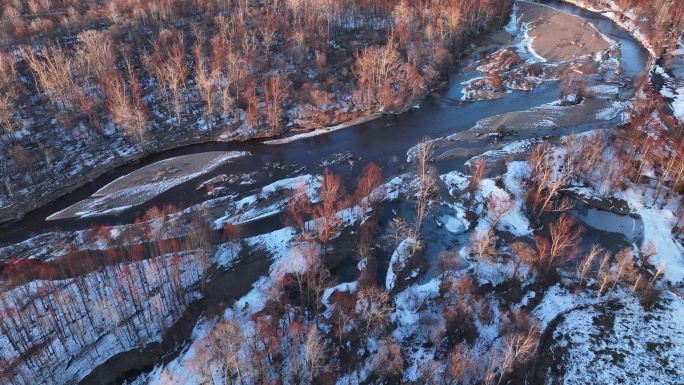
384	141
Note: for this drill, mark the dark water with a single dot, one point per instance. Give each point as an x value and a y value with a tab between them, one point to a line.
383	141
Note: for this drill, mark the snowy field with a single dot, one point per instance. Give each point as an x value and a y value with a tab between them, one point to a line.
617	342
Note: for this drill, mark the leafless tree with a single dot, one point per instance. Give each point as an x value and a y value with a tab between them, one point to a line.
7	184
397	231
566	235
586	264
122	105
224	344
478	169
24	160
199	240
482	246
376	66
498	206
364	241
53	72
275	92
649	291
373	308
462	366
550	174
315	357
208	80
449	260
333	196
520	346
603	273
97	55
8	124
623	269
169	64
8	99
425	186
390	361
573	85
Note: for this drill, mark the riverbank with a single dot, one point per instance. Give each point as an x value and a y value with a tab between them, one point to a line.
416	297
624	19
557	36
592	62
87	161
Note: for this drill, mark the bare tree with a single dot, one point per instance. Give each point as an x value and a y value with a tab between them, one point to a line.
586	264
7	184
397	231
169	64
96	51
125	113
523	253
462	366
649	293
208	80
603	273
389	362
333	196
224	345
369	189
583	153
8	125
376	66
482	246
449	260
373	308
566	235
364	242
53	72
315	357
623	268
425	186
498	206
520	346
8	99
275	92
23	159
298	206
573	88
478	169
550	174
550	254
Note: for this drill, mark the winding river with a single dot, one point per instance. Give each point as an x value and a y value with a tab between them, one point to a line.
384	141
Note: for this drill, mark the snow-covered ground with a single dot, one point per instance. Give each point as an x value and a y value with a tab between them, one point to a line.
71	326
620	342
398	262
322	131
251	207
616	342
146	183
673	89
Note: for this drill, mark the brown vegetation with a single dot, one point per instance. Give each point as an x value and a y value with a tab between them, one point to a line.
165	71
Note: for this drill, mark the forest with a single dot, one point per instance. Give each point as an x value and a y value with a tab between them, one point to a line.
89	85
319	277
